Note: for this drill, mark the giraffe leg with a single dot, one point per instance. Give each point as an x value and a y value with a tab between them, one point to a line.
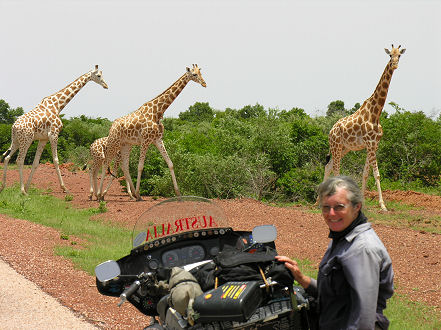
53	139
108	186
366	170
372	161
20	162
97	165
336	166
377	182
328	169
129	191
125	155
93	176
99	191
142	153
115	168
160	145
40	148
12	149
117	164
95	190
105	163
90	185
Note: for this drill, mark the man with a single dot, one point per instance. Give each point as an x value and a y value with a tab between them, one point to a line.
355	275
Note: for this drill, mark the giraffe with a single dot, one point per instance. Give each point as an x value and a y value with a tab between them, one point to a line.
143	127
362	129
97	149
43	123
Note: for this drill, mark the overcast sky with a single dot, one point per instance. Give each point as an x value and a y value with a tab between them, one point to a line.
280	54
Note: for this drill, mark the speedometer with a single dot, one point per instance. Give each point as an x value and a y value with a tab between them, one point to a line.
170	258
196	253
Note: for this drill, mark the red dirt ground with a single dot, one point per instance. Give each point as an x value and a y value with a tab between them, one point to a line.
28	247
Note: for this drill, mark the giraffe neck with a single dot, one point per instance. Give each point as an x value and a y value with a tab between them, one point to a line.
376	102
59	100
160	104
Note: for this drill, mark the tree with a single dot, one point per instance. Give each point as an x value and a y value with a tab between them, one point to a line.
354	108
200	111
334	107
250	111
8	115
292	114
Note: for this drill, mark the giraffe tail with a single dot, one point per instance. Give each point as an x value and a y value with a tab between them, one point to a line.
328	158
110	172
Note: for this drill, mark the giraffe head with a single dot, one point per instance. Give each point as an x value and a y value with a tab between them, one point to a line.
395	54
97	76
195	75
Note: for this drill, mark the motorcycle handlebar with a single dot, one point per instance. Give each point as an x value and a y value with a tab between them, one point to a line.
128	292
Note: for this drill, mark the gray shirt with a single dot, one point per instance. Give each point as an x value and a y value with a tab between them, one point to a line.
354	281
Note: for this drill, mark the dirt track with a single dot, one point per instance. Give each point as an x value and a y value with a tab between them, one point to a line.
415	255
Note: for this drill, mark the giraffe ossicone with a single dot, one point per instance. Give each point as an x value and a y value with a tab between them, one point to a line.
362	129
43	123
143	127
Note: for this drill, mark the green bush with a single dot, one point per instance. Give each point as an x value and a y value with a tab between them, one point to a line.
300	184
410	148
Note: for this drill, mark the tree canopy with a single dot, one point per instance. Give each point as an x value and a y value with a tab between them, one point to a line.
7	114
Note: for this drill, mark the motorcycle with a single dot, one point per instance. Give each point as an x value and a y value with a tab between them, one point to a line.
188	269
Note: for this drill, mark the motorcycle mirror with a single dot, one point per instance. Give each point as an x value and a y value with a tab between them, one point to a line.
107	270
264	234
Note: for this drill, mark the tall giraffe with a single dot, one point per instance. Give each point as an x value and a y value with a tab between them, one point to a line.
97	156
43	123
362	129
143	127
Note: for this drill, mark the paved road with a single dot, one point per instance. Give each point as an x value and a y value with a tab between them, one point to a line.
23	305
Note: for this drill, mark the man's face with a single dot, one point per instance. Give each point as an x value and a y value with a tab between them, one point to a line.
338	212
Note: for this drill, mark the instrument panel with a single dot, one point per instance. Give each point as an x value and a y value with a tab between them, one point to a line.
183	250
183	256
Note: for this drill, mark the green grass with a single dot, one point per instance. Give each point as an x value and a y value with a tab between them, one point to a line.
402	313
417	186
98	241
403	216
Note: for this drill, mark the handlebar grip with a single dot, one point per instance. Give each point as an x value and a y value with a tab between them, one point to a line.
129	291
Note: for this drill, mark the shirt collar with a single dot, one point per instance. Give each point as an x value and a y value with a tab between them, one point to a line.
357	231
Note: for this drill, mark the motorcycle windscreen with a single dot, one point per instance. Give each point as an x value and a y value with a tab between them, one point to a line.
177	216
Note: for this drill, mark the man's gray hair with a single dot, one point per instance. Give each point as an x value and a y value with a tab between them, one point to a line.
331	185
